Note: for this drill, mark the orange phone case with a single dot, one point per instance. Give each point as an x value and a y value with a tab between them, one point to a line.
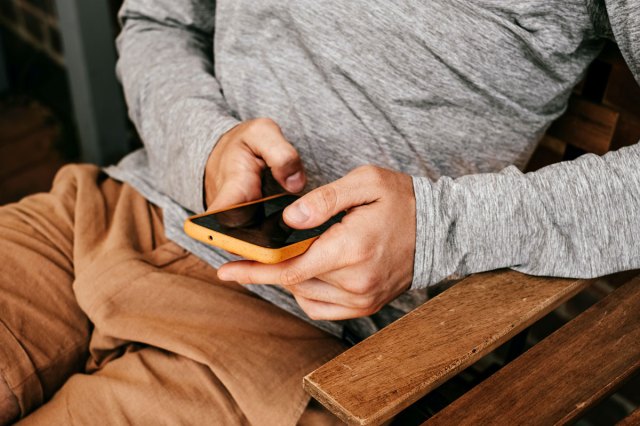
243	248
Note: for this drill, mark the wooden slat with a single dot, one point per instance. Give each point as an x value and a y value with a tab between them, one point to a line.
627	131
622	92
586	125
392	369
632	419
550	150
565	374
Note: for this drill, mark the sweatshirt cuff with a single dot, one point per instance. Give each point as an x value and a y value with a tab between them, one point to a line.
425	230
475	223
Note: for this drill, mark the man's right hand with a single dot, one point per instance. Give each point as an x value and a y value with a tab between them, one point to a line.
234	168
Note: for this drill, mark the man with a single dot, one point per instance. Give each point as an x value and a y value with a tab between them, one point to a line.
376	105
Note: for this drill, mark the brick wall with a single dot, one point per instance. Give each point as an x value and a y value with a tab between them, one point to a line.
34	21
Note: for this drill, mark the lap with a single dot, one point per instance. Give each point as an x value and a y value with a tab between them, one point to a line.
113	267
144	385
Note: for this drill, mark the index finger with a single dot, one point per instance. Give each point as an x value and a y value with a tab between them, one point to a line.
325	255
267	141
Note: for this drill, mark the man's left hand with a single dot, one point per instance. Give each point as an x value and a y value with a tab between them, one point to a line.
358	265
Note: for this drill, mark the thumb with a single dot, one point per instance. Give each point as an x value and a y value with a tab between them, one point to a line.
321	204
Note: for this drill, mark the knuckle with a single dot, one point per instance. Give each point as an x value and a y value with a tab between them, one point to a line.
361	286
372	174
359	250
302	291
253	277
258	126
362	251
247	279
368	170
365	302
296	290
287	155
291	276
263	122
363	170
327	198
290	152
372	310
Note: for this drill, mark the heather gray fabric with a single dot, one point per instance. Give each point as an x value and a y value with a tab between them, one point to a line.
451	92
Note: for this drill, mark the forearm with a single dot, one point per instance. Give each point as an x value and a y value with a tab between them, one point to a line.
174	99
574	219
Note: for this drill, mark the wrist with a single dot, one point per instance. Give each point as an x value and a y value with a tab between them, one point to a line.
211	164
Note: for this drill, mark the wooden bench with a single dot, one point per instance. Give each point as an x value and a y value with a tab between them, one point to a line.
581	363
558	379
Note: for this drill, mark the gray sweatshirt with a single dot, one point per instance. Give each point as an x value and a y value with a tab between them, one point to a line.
455	93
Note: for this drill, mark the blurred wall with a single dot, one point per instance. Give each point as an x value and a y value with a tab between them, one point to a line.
53	49
35	22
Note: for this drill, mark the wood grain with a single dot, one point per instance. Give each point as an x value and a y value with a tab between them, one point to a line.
565	374
632	419
627	131
384	374
586	125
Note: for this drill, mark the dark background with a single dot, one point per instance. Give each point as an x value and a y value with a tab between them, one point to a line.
38	127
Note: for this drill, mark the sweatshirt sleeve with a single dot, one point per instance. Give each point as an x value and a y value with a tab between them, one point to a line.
576	219
166	68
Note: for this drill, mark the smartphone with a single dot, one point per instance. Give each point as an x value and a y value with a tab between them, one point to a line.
256	230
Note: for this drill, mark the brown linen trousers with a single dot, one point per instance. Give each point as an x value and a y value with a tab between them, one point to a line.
105	321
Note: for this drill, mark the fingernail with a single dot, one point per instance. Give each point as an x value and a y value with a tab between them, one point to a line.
294	182
297	213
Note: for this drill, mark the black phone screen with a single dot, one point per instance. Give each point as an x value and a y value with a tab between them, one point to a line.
262	224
